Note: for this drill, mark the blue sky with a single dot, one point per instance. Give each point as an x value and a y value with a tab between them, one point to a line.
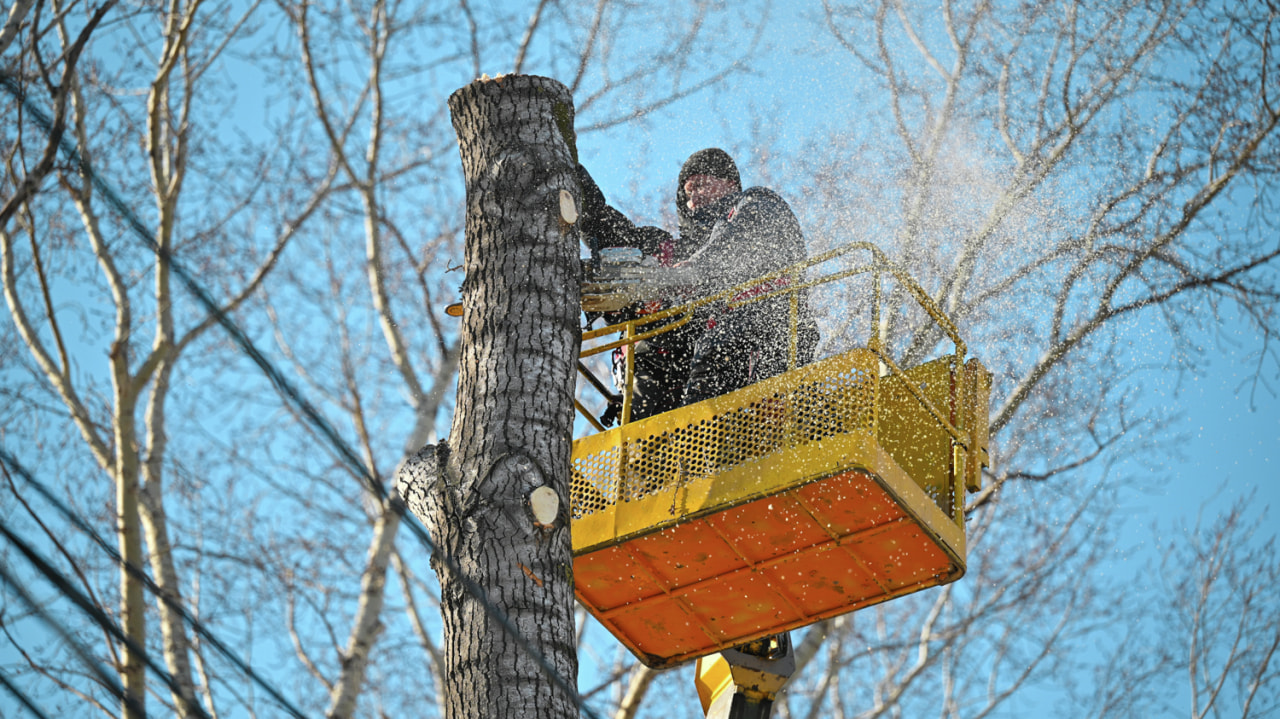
1224	443
1229	433
1232	432
1229	428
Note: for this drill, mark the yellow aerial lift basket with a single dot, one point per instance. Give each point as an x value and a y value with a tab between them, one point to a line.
831	487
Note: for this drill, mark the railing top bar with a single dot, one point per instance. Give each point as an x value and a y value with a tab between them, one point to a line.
881	263
621	327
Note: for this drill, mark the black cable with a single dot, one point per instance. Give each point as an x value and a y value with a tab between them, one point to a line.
283	386
22	698
94	666
138	574
59	580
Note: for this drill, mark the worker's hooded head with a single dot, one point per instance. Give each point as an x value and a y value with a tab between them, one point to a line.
694	224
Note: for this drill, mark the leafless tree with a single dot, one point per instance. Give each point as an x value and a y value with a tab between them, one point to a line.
495	496
1067	180
277	541
1060	176
1217	577
119	410
1057	175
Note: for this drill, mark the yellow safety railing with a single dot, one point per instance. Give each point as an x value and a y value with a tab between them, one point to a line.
632	330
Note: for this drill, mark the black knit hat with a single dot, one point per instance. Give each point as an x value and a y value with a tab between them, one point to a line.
712	161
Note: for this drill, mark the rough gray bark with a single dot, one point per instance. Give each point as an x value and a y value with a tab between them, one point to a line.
512	428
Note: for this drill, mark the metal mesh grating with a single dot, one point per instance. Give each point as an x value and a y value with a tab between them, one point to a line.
776	416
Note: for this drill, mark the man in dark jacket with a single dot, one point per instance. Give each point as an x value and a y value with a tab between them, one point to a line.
748	233
728	236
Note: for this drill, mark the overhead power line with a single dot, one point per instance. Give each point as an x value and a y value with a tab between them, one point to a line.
286	389
21	696
82	653
137	573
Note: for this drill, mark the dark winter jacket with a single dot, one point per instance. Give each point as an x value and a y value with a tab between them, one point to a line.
727	243
749	234
741	236
603	226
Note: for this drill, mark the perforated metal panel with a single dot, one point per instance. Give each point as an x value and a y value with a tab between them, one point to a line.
665	453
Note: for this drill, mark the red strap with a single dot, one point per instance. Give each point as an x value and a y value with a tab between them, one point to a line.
666	253
763	288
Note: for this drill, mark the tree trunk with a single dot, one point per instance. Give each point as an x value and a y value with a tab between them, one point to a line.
368	620
495	495
133	620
